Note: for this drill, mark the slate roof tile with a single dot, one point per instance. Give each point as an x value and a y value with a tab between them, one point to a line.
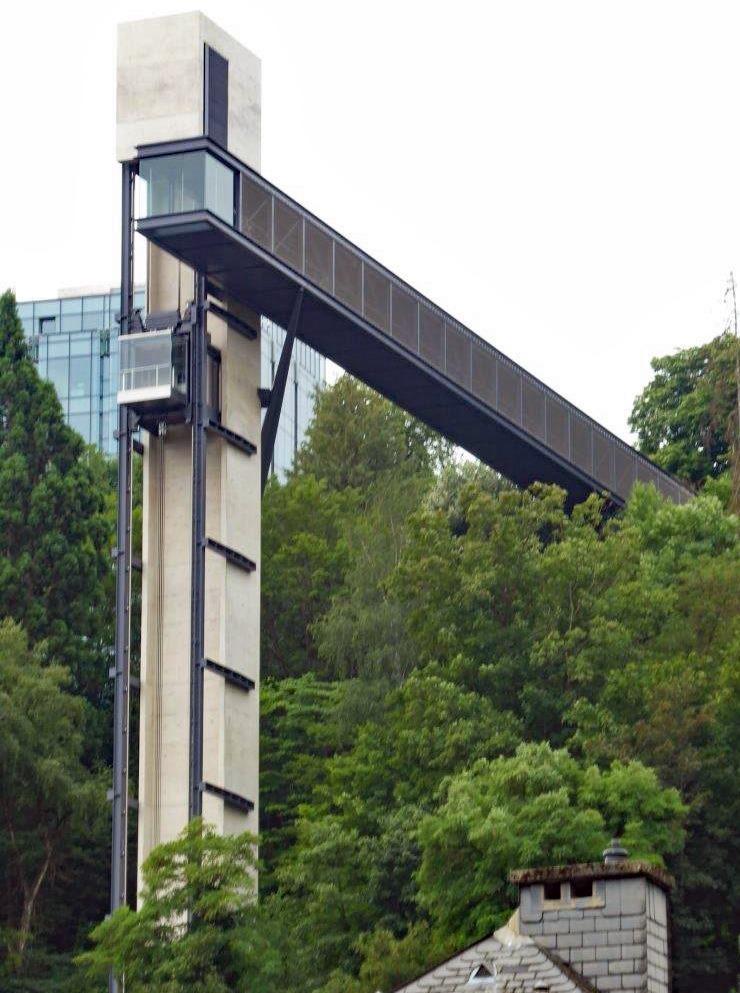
517	960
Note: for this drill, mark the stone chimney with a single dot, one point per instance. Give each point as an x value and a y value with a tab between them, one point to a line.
609	921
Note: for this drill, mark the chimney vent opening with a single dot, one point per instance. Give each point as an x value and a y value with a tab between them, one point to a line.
582	888
552	891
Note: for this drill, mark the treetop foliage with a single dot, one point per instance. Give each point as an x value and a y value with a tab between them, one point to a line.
686	417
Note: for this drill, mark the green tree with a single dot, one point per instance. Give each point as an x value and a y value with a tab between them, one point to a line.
305	556
48	798
54	534
686	417
362	633
389	961
357	438
299	731
198	926
351	872
539	807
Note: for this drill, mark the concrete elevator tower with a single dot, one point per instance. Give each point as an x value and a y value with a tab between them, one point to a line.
189	378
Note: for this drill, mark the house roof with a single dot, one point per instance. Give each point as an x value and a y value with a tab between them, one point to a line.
518	963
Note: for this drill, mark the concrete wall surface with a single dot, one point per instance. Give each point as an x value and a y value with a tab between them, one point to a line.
159	91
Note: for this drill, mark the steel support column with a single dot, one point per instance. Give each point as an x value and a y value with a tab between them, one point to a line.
272	417
198	356
121	705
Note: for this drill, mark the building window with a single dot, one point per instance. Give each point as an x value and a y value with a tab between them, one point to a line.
47	325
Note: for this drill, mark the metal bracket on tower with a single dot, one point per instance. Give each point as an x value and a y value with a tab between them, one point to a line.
230	676
243	444
233	322
270	425
229	797
231	555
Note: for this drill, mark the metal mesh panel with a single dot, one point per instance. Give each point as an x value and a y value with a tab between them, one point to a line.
377	298
580	442
645	472
509	392
431	337
533	417
624	465
484	374
319	257
458	355
348	277
603	455
668	487
557	426
256	213
404	318
289	235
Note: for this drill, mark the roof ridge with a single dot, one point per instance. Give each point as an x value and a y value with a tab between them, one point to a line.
575	977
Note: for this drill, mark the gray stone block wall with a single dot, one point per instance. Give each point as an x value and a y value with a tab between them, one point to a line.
617	938
658	951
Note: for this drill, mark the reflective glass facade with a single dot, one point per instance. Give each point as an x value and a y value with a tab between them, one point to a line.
74	340
307	371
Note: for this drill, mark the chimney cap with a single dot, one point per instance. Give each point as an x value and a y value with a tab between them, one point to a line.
616	852
621	869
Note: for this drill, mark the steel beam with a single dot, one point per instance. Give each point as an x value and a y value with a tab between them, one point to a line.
198	359
122	671
272	417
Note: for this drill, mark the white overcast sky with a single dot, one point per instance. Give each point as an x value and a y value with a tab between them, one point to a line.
561	176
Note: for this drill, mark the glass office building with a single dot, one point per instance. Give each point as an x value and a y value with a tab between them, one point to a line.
74	341
308	370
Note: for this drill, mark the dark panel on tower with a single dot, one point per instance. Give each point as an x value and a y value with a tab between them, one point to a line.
216	102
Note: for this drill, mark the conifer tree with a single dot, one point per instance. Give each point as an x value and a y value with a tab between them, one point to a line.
54	534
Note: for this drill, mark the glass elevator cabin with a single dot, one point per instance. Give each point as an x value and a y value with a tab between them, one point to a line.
154	371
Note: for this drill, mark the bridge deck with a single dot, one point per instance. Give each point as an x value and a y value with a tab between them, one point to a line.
380	329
